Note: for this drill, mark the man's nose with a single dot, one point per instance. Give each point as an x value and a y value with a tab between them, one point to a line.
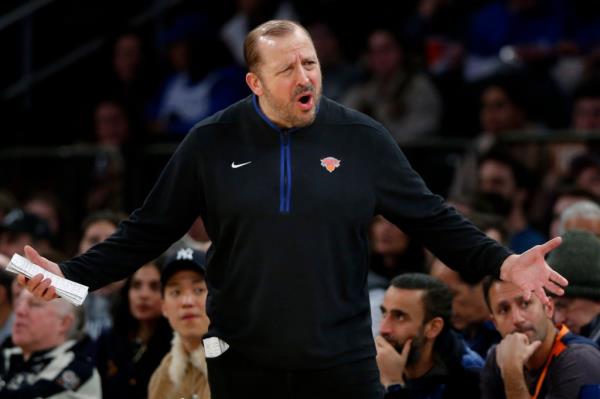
187	299
384	326
302	75
518	317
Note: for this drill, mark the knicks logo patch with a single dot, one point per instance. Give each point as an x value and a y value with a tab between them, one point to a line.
330	163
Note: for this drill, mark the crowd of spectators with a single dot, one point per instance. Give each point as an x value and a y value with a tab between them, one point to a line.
517	81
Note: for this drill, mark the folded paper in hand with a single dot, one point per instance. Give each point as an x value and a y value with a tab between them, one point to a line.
69	290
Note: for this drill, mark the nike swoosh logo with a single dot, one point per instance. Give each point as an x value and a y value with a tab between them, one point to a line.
239	165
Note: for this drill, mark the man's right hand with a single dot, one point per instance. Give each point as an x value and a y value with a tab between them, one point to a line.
37	285
391	363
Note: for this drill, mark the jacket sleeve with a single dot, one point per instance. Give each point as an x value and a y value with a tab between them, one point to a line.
167	213
403	198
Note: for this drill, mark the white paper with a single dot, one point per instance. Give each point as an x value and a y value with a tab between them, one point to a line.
67	289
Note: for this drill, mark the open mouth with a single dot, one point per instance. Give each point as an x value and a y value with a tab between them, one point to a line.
305	101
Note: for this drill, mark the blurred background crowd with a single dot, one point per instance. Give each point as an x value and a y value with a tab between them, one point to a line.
496	103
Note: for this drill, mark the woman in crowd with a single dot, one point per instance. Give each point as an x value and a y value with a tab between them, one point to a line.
141	336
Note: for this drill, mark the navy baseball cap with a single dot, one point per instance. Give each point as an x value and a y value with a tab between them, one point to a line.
183	259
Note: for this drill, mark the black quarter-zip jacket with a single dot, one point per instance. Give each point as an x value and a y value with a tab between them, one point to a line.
287	268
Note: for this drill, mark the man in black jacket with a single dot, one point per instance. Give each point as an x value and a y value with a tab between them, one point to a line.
418	354
287	183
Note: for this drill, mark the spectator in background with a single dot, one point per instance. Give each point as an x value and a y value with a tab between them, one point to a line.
392	253
502	175
204	79
130	352
399	96
578	259
338	74
587	35
519	366
47	206
417	353
470	314
45	361
131	77
586	107
112	126
249	14
504	110
97	227
563	199
20	228
182	373
436	29
585	121
504	35
582	215
117	154
584	173
7	315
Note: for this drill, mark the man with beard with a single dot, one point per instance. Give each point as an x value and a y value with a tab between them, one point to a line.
287	182
535	358
417	353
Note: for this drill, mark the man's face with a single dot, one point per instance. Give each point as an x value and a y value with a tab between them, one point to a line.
497	178
184	303
38	325
287	79
403	314
512	313
575	312
498	113
468	304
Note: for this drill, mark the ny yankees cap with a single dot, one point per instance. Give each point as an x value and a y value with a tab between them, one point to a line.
182	259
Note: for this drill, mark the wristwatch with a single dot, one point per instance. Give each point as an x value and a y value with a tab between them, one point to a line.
395	388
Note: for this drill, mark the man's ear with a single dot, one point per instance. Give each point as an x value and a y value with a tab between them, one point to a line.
434	327
254	83
549	308
66	323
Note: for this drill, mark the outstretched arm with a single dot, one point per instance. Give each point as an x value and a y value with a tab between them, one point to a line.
530	272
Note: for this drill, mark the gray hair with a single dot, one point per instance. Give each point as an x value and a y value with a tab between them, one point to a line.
581	209
64	309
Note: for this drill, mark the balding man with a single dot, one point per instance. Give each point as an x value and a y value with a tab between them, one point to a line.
44	361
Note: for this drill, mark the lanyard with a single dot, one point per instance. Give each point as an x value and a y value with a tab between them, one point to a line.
557	349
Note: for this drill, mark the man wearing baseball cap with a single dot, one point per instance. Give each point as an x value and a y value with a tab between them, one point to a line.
182	372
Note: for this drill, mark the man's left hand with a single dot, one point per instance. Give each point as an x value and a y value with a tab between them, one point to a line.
530	272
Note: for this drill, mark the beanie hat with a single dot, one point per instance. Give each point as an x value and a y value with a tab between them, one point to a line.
578	260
